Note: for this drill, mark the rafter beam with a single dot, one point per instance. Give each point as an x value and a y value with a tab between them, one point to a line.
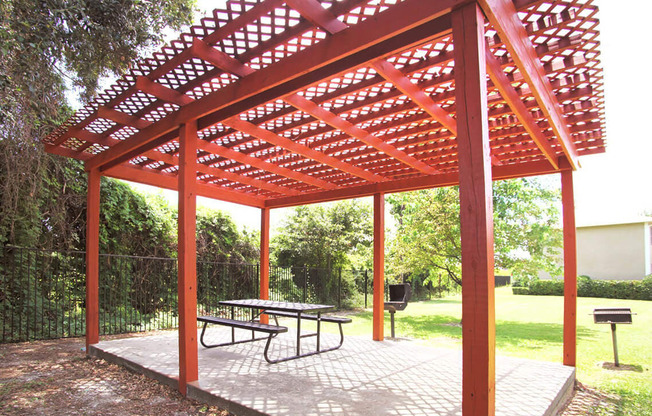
219	59
354	131
503	16
122	118
407	87
266	135
511	96
245	159
315	13
406	24
161	92
169	181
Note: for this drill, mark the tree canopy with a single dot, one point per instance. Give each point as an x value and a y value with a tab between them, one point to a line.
526	233
326	235
47	48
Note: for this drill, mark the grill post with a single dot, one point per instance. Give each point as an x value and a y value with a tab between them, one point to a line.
613	337
392	311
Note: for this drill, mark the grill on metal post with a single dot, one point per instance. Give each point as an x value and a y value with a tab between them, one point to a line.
399	295
613	316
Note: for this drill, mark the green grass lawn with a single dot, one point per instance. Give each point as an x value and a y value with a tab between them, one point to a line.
531	327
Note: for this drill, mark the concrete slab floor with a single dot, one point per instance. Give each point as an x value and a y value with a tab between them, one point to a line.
364	377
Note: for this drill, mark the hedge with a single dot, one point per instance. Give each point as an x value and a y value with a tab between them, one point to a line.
589	288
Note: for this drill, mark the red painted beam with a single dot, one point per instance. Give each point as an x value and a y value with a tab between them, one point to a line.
122	118
161	92
511	96
368	40
266	135
503	16
314	12
354	131
412	184
379	268
92	259
570	268
169	181
476	214
187	257
407	87
245	159
219	59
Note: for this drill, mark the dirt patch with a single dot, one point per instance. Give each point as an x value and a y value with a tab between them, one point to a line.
56	377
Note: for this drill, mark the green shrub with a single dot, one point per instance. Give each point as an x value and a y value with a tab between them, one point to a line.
520	290
589	288
547	287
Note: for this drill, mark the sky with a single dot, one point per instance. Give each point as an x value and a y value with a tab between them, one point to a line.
610	187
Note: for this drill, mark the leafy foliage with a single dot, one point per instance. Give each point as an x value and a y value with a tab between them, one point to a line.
46	47
427	243
324	235
587	287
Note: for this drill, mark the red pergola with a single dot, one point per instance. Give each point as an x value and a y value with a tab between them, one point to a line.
272	103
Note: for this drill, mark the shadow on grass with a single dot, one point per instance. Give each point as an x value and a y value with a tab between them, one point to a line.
623	367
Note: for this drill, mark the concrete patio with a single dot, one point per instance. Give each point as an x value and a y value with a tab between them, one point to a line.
364	377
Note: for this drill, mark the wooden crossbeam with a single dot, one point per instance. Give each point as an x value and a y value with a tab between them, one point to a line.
270	137
503	16
354	131
314	12
409	22
245	159
510	95
122	118
206	52
161	92
163	180
407	87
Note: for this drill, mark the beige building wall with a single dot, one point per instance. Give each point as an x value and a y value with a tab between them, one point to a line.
614	252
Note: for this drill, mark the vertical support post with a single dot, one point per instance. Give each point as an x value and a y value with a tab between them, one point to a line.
92	258
379	267
264	259
570	268
476	213
187	257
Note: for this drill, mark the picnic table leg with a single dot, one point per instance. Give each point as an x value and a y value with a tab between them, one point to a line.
318	329
298	333
232	328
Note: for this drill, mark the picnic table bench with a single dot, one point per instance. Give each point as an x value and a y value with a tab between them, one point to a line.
274	309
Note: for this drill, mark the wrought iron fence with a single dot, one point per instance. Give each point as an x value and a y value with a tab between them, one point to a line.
42	292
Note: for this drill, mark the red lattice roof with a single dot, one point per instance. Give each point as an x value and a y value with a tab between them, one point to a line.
306	101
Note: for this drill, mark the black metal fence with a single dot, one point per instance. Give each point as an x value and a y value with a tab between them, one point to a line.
42	292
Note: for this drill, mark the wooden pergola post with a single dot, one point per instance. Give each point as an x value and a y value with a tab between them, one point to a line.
379	268
92	258
187	262
476	211
570	268
264	258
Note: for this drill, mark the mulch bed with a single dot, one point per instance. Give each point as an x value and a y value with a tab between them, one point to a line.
56	377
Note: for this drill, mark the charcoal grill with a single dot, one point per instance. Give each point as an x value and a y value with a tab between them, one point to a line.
399	295
613	316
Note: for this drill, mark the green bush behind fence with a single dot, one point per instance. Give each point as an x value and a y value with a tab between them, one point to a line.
591	288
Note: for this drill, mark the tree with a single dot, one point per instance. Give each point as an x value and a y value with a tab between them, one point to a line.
526	234
324	235
46	48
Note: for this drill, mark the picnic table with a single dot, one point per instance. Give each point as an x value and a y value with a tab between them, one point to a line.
275	309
